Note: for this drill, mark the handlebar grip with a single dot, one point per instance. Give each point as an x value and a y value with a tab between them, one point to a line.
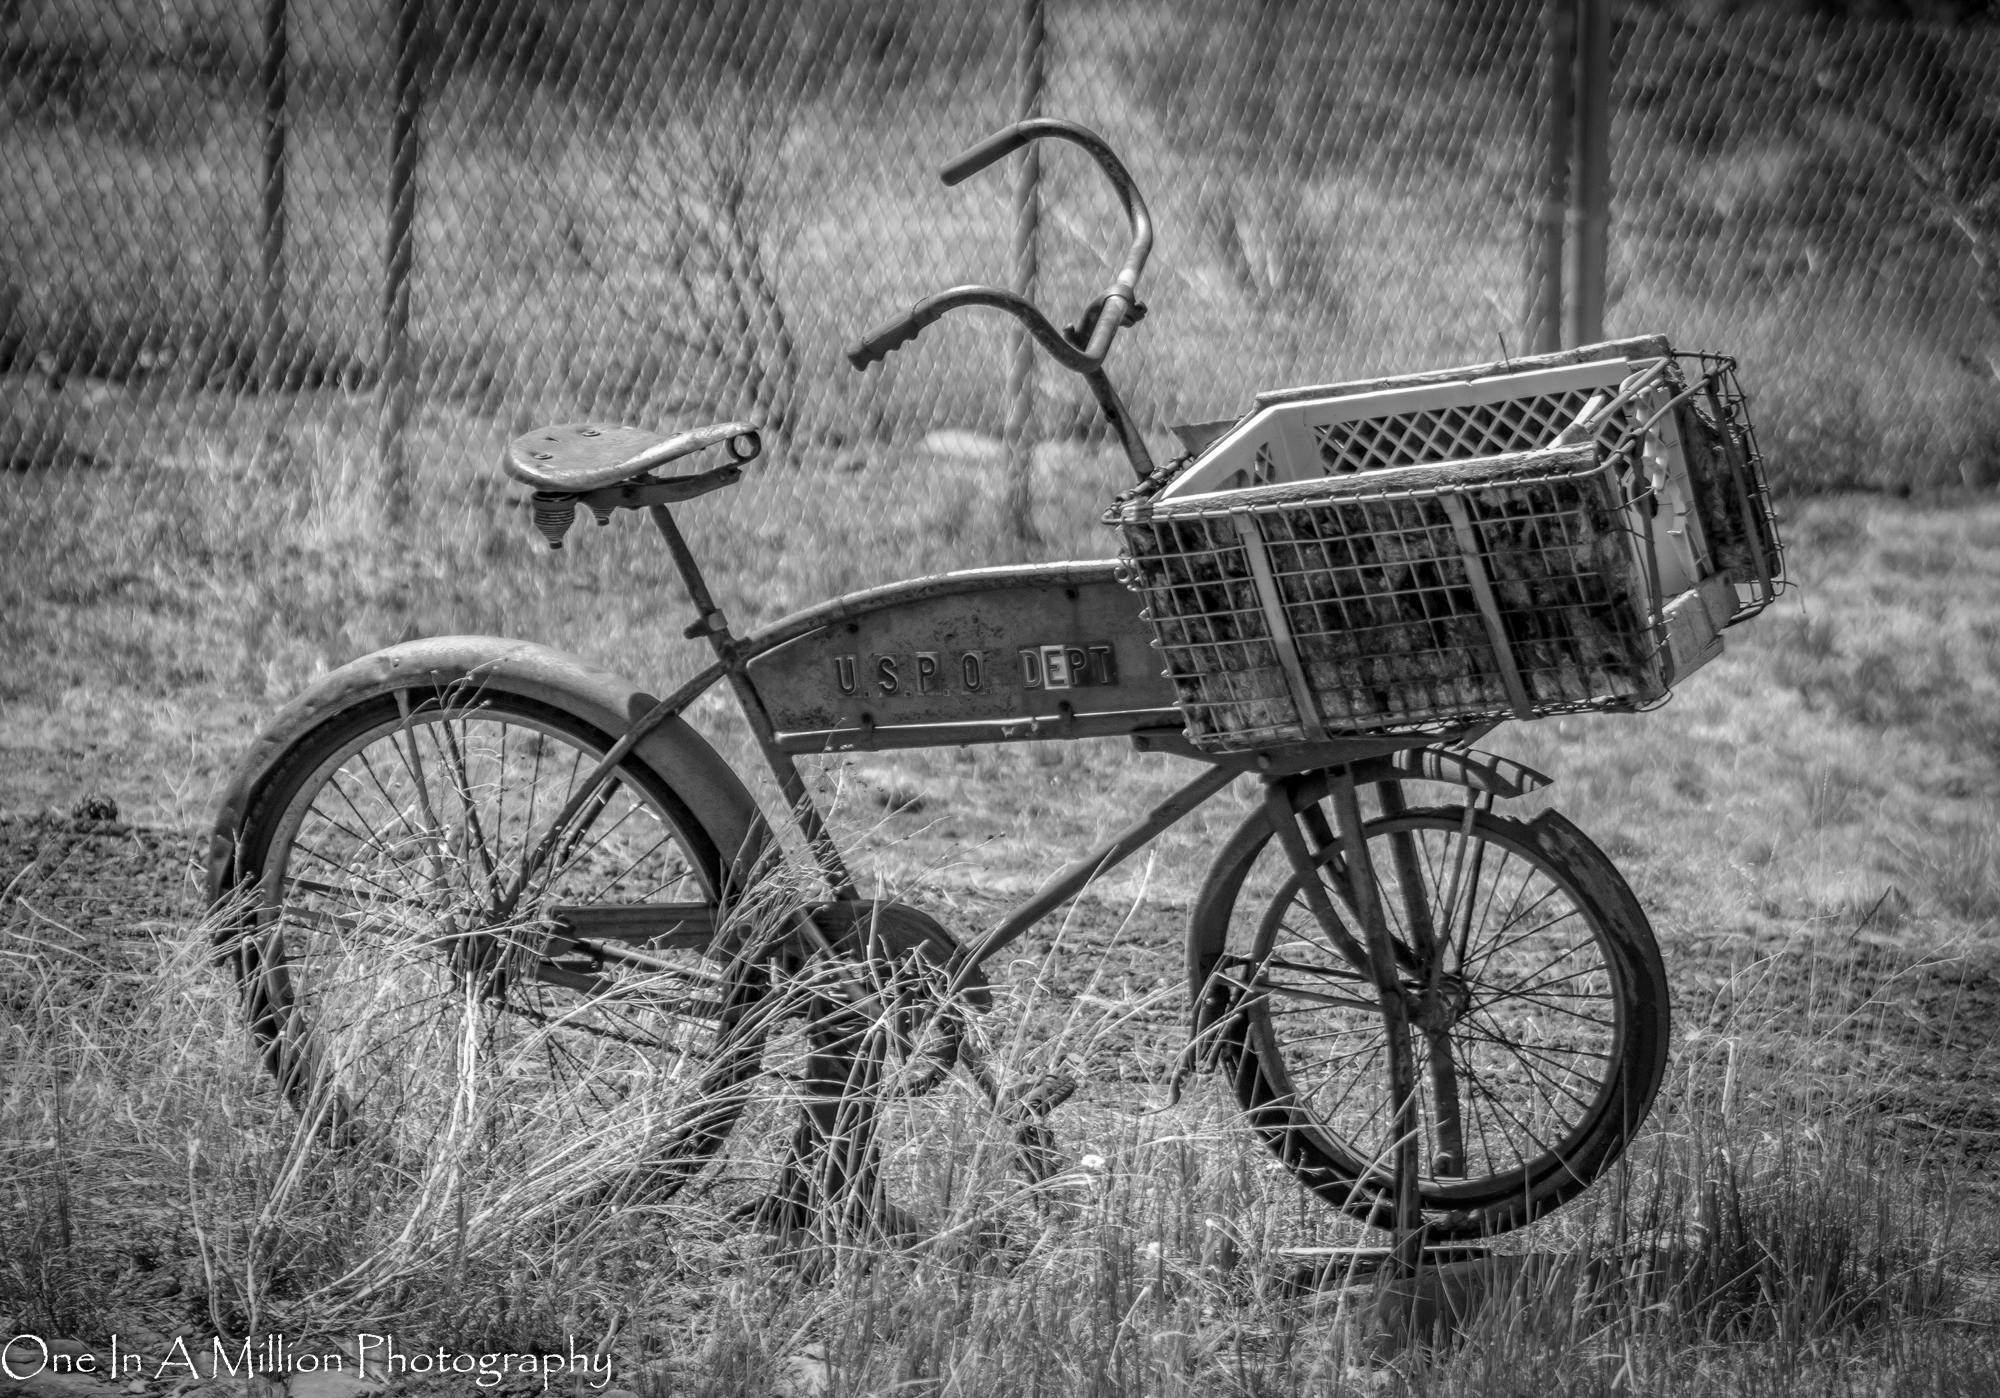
998	146
879	344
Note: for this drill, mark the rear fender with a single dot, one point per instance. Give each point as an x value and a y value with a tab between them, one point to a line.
712	791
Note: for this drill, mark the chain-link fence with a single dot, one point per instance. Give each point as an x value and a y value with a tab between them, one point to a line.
1822	199
276	272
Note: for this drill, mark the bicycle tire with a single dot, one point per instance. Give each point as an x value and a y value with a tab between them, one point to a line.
379	987
1586	1050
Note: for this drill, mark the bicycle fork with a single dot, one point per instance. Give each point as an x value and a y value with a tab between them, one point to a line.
1308	842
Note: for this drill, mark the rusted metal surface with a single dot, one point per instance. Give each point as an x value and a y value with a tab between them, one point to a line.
1363	898
987	656
1431	1011
1597	877
1300	757
1130	439
654	924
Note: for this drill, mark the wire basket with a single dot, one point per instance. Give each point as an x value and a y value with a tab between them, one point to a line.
1398	601
1334	564
1728	489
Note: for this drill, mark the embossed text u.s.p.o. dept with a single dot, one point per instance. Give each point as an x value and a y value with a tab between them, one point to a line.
1056	666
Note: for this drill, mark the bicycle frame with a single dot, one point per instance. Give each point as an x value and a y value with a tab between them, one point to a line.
1017	686
810	665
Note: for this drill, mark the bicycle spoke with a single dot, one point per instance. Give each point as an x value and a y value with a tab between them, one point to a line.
1487	953
1512	1044
574	856
388	801
1520	1053
388	981
1542	985
462	783
1550	1005
1472	893
1363	1073
341	867
1479	1081
1524	1025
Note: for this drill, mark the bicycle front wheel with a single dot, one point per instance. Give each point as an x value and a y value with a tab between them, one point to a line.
410	1007
1537	1000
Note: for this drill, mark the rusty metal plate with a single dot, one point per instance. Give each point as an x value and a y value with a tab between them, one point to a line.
991	656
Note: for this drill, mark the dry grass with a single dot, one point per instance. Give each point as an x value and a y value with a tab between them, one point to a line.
1808	1211
1772	1231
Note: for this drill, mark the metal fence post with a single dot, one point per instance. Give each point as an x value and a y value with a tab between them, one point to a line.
406	150
1543	313
271	228
1030	77
1590	190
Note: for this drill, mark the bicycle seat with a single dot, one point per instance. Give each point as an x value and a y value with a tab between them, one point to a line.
579	456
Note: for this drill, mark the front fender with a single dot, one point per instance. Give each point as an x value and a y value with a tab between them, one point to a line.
1208	919
718	799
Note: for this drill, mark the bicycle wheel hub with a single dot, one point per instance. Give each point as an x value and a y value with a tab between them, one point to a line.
1433	1010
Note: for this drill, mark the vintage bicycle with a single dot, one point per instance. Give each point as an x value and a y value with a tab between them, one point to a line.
1439	1016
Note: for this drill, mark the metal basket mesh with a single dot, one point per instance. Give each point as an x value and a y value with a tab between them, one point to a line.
1731	495
1371	603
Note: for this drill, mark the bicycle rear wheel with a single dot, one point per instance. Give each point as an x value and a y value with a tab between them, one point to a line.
1539	1023
408	1010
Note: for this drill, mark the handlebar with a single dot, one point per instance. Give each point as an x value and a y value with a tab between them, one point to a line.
884	341
899	332
1084	349
998	146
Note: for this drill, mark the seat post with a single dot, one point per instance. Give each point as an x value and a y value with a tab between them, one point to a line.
709	620
711	624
